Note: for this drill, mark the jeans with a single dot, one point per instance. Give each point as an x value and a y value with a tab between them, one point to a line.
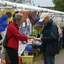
49	59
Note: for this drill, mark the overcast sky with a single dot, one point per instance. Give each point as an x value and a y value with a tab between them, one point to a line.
43	2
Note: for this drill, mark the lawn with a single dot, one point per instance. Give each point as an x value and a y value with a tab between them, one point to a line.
37	58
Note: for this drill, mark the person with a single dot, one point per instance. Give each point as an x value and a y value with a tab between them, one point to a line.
50	45
63	37
13	37
60	36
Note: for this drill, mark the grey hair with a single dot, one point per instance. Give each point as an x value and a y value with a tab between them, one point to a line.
18	16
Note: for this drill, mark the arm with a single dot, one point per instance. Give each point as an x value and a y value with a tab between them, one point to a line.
53	35
13	30
19	36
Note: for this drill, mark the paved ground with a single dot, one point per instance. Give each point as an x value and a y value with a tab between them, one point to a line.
59	59
1	55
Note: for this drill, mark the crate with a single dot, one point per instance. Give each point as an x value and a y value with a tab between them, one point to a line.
27	59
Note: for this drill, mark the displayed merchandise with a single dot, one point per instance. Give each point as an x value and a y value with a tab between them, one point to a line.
25	53
27	59
29	47
9	12
21	48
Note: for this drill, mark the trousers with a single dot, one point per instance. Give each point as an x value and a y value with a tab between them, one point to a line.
13	55
49	59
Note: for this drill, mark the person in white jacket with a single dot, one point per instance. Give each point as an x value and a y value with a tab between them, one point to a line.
3	33
3	50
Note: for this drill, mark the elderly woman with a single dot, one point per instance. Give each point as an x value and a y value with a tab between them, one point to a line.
15	36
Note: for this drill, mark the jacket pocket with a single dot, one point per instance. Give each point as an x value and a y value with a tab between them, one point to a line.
50	48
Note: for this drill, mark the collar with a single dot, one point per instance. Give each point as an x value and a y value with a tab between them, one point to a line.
16	25
49	22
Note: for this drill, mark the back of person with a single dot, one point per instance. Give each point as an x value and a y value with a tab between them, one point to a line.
50	35
13	39
16	36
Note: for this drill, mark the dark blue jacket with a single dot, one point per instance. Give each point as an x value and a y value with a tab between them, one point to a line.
50	43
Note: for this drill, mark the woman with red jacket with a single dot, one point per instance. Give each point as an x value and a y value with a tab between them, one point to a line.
14	36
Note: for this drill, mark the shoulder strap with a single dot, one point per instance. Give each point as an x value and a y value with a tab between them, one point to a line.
9	37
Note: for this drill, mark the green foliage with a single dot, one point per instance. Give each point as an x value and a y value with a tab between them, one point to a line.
37	58
59	5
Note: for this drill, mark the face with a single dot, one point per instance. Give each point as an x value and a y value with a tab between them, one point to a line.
46	20
19	22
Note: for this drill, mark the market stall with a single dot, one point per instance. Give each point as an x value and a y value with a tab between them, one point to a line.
30	25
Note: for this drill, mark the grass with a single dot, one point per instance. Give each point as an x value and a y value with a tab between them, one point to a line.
37	58
62	49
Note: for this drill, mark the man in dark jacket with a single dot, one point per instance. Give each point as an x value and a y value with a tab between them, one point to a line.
50	45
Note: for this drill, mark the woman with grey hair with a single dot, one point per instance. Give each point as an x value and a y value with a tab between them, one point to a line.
14	36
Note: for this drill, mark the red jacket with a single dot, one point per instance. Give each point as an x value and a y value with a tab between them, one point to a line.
12	30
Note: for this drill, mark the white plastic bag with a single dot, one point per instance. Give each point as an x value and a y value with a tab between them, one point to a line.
3	51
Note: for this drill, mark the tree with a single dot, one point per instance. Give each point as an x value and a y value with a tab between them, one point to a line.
59	5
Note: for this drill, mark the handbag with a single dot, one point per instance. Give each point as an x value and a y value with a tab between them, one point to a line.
5	41
0	37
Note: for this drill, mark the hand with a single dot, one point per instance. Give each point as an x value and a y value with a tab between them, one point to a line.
20	29
31	37
39	39
34	38
33	42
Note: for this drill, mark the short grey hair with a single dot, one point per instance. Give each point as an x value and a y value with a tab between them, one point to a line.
18	16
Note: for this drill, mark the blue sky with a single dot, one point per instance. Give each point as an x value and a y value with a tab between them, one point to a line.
43	2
